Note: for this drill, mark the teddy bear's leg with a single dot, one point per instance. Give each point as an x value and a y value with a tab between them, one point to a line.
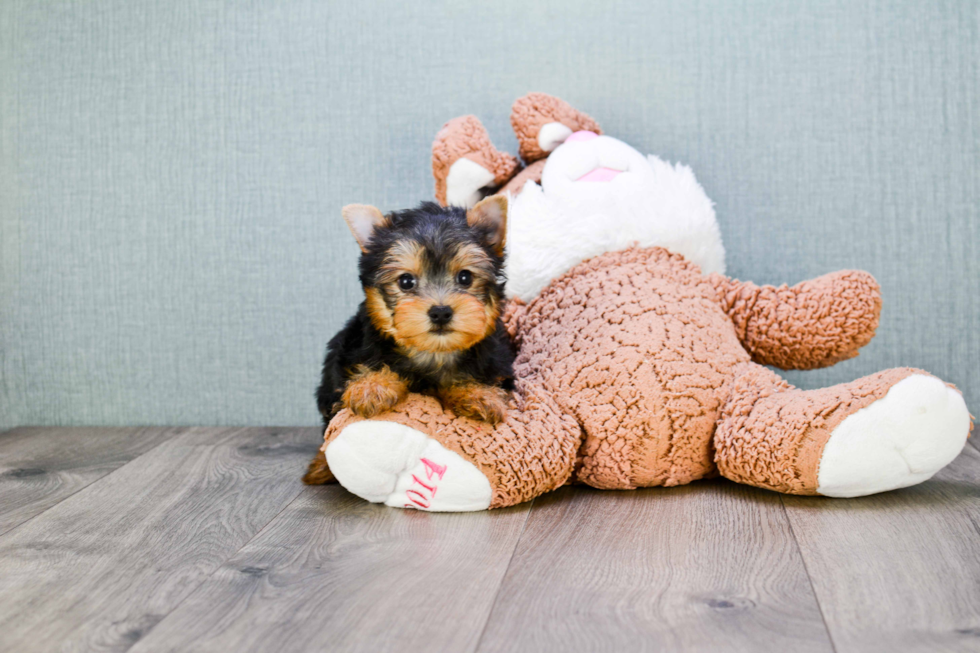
542	122
464	161
423	457
885	431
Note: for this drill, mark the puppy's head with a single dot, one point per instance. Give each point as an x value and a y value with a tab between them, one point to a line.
432	276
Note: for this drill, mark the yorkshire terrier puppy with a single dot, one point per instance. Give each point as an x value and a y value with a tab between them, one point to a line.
430	320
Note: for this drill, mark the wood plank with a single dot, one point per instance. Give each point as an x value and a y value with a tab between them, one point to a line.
708	566
41	466
101	568
333	572
898	571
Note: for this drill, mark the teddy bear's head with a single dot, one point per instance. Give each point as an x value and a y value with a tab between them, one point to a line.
580	194
597	194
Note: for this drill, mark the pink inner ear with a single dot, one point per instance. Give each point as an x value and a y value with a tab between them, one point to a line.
581	136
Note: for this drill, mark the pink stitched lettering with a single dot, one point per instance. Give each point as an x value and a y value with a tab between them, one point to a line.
430	488
421	501
433	468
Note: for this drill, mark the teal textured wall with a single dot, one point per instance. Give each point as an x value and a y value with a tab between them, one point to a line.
171	173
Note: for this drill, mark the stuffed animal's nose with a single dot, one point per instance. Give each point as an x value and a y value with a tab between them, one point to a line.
581	136
440	315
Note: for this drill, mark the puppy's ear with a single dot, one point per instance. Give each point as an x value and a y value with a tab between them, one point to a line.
363	220
490	214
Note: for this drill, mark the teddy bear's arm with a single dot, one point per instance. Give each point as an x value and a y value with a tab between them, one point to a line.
813	324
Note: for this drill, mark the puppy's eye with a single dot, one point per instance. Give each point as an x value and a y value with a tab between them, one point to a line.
406	281
464	278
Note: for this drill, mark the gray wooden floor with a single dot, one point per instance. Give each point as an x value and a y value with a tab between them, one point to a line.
204	539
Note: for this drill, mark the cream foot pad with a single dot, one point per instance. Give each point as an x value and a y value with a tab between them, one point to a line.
386	462
904	438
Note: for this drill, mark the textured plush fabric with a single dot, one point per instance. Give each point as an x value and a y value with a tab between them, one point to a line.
533	111
631	372
468	132
531	453
465	137
635	346
772	435
814	324
172	172
530	173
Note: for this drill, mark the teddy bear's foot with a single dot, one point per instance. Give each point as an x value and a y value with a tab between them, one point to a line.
390	463
885	431
464	162
902	439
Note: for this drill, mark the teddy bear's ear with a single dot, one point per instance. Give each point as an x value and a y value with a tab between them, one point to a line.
464	161
363	220
542	122
490	215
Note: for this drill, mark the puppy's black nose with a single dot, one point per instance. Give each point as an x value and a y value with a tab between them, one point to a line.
440	315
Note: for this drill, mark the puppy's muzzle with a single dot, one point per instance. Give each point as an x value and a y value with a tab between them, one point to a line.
440	316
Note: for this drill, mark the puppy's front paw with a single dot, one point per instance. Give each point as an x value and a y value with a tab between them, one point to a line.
370	392
482	402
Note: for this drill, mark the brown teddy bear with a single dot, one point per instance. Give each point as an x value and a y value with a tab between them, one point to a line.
639	363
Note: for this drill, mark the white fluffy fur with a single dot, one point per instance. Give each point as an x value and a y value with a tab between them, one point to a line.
562	222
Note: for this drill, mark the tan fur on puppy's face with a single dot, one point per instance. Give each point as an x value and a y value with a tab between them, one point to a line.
403	314
378	312
472	322
401	258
